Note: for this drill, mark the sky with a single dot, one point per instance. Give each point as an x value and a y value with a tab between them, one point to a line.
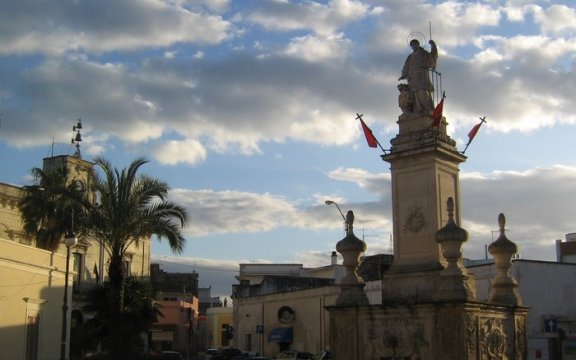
247	110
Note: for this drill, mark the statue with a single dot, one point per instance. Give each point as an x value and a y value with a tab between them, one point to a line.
416	72
405	98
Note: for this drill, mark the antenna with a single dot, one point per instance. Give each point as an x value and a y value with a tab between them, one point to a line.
364	222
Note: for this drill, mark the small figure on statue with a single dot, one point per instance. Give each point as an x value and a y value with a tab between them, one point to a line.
405	98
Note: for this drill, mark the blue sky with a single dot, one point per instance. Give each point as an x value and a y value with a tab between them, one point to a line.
247	109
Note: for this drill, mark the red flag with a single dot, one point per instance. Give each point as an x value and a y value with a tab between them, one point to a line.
437	114
475	129
473	132
372	142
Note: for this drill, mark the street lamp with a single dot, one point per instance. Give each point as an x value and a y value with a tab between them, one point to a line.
70	240
330	202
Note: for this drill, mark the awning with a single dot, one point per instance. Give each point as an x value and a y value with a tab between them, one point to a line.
281	335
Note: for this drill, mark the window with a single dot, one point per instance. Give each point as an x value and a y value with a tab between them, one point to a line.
32	335
128	265
78	267
248	342
32	327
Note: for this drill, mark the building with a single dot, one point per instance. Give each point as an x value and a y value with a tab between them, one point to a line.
177	297
272	312
566	250
208	301
32	279
219	327
282	306
31	295
205	326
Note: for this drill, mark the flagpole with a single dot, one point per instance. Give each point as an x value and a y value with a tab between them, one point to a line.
464	152
359	117
482	120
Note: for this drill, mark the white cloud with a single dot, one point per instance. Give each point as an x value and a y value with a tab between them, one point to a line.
312	48
63	26
218	212
322	19
533	201
557	19
176	152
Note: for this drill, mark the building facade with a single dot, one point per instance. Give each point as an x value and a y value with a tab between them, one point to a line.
281	307
36	275
177	297
31	298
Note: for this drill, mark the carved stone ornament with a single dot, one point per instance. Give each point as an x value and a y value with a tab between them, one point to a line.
400	339
471	333
415	219
493	337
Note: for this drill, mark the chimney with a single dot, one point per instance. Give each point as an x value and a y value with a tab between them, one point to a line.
334	258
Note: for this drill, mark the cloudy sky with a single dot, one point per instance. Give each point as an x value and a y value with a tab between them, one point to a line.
247	109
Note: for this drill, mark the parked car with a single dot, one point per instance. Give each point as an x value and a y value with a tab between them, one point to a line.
323	355
294	355
171	355
227	353
210	353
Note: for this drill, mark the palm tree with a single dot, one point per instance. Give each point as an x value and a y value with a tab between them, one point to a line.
130	207
140	313
47	207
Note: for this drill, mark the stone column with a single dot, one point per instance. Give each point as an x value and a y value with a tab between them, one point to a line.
504	287
352	285
455	281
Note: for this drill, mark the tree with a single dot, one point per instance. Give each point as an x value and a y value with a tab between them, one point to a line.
47	207
140	312
130	207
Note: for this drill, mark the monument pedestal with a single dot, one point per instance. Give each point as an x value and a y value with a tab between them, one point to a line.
429	331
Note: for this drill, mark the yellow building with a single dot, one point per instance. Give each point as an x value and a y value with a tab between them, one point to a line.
32	279
219	325
31	298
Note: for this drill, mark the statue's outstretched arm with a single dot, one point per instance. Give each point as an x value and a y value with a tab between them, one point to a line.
434	49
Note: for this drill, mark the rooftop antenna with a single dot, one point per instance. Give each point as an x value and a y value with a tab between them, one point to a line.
78	138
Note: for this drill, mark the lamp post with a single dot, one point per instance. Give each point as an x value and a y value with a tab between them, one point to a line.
70	240
330	202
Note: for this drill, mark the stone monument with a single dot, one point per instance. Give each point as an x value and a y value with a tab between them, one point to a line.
352	285
429	308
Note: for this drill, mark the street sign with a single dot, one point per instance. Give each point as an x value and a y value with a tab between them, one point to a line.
551	325
259	329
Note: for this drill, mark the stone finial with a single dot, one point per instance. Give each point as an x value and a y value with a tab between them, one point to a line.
451	232
504	287
455	282
352	285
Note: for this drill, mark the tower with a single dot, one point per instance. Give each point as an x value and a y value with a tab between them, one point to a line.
424	167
